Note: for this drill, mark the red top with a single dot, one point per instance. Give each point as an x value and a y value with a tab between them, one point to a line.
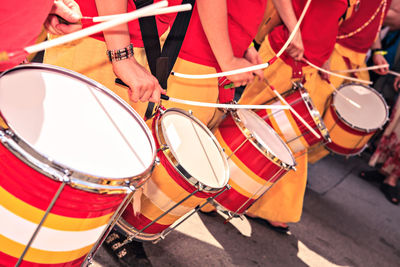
243	20
88	8
21	23
362	41
318	30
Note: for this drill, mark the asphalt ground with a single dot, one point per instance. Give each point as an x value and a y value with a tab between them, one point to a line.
346	221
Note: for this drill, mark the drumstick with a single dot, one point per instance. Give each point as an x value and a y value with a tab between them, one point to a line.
394	73
292	110
335	74
363	69
160	11
212	105
252	68
342	95
91	30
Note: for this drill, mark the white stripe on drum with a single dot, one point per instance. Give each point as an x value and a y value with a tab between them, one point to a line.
162	201
20	230
238	176
287	130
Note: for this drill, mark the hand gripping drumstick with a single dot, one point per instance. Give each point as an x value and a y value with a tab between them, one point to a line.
124	18
252	68
292	110
342	95
212	105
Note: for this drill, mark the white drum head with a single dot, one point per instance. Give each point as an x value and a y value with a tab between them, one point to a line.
71	121
373	112
265	135
194	149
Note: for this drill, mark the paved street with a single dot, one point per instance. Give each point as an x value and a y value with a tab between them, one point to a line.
346	222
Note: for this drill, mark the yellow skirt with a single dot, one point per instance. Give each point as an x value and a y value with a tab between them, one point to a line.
284	201
320	98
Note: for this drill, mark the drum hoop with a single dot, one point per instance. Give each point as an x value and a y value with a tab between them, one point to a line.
169	155
58	171
350	124
260	147
315	115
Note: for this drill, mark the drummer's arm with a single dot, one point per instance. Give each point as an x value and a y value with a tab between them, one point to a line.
143	86
377	56
286	12
214	19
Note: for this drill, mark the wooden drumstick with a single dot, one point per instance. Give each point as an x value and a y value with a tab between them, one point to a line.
363	69
342	95
292	110
394	73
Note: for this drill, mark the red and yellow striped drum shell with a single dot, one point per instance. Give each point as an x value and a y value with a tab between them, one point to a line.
257	158
58	128
186	164
351	127
290	128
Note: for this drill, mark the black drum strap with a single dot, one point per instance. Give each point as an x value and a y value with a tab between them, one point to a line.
162	62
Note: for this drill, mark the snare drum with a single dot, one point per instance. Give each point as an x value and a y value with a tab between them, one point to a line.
258	158
292	130
193	168
351	127
62	133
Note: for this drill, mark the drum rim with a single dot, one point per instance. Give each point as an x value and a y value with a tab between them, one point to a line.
128	229
62	173
316	116
350	124
260	147
167	152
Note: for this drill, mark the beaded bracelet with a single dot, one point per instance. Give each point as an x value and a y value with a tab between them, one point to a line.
120	54
378	52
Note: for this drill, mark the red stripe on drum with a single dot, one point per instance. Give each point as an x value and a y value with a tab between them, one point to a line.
344	150
140	221
37	190
256	161
7	260
233	200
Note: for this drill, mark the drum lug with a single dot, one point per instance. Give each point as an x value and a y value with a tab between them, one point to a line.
164	147
190	112
157	160
200	187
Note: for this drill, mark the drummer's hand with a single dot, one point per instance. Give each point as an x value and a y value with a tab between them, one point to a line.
296	47
241	78
142	85
68	10
396	84
325	66
252	55
379	59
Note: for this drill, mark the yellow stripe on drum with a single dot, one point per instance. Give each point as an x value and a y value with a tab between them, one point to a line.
53	221
341	137
160	193
237	161
15	249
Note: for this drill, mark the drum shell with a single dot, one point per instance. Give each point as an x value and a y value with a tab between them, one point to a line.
166	187
351	129
250	169
299	138
71	229
346	140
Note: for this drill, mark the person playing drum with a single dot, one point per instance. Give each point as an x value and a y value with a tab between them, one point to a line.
358	33
283	203
22	23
